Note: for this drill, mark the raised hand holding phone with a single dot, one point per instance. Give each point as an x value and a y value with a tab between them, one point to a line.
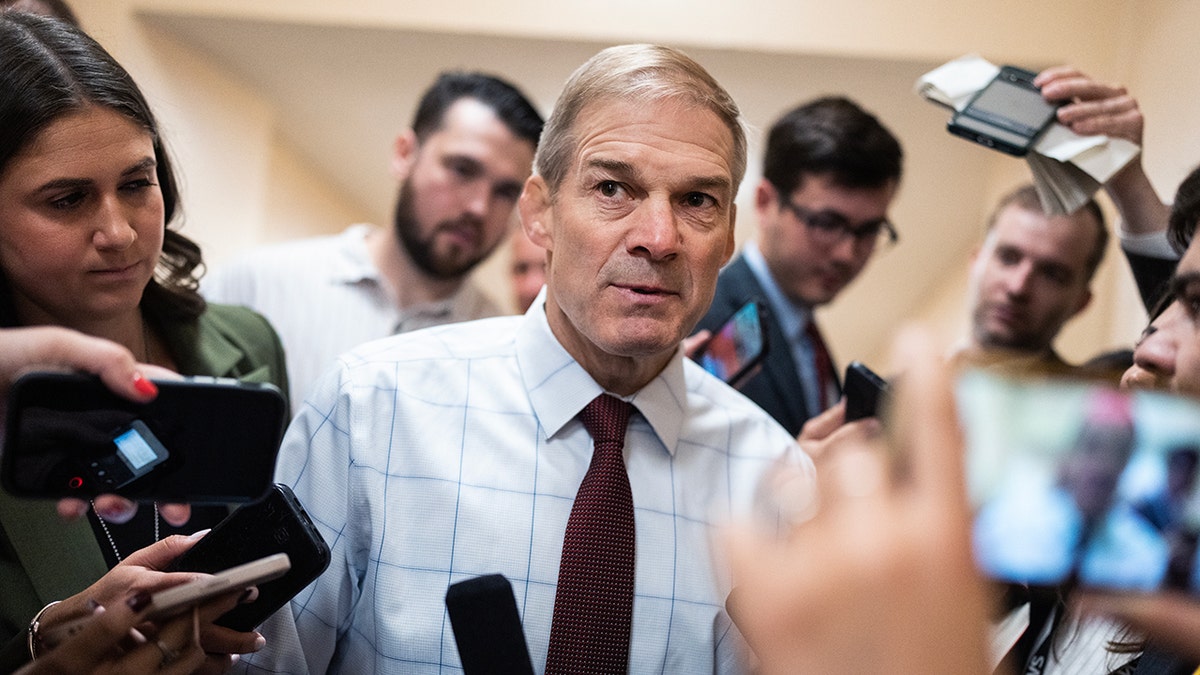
881	578
735	350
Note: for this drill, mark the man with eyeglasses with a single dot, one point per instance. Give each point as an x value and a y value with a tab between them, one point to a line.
1031	275
830	173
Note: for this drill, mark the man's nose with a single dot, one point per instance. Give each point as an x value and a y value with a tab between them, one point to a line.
655	229
1018	279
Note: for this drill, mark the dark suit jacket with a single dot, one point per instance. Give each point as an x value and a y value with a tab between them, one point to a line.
1152	276
776	388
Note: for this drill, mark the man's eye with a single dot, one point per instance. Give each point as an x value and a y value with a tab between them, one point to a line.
1060	277
1008	256
464	170
828	223
1191	304
868	231
609	188
699	200
508	194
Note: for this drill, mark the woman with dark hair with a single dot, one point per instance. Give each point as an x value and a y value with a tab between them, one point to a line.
58	9
88	201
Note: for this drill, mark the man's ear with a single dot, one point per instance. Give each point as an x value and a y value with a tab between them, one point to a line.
404	154
1083	302
974	259
765	196
536	213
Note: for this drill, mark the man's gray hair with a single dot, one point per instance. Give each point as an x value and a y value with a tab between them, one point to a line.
638	73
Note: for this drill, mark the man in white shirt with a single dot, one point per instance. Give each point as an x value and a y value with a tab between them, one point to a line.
460	168
429	458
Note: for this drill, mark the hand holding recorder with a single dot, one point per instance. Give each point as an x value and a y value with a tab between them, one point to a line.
134	582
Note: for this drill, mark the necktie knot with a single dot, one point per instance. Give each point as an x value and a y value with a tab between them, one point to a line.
605	419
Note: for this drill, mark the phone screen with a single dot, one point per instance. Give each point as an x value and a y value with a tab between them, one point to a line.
139	449
735	346
1013	106
1080	482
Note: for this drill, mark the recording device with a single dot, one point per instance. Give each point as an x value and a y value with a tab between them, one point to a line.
200	440
1009	114
165	604
864	390
276	523
735	350
487	627
174	600
1078	483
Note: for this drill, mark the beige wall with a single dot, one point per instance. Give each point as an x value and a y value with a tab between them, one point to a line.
248	179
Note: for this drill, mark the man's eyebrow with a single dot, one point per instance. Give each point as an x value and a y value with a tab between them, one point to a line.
711	183
615	166
1181	281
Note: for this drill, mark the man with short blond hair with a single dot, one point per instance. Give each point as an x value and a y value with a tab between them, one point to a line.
1031	275
430	458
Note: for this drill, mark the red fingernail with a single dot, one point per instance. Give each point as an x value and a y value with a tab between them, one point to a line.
139	601
144	386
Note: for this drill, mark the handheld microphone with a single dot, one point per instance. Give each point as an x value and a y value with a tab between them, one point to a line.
487	628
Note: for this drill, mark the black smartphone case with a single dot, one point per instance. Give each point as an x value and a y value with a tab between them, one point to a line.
276	523
995	131
220	438
864	391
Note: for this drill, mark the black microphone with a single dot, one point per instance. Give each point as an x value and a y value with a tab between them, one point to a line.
487	628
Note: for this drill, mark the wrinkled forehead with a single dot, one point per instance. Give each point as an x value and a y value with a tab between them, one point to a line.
669	120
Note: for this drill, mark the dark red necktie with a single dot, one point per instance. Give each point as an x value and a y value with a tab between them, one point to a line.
822	364
593	606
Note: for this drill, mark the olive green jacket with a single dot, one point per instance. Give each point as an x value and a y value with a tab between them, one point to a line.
44	559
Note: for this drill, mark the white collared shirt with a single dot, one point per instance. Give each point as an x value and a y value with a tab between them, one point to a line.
324	296
436	456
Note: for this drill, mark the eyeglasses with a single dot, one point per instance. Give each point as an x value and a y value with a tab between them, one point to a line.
829	228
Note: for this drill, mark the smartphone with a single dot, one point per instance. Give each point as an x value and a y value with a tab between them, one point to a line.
1009	114
276	523
167	603
1078	483
864	390
200	440
735	350
174	600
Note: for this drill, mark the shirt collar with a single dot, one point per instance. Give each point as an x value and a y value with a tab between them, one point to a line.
349	258
559	387
792	318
